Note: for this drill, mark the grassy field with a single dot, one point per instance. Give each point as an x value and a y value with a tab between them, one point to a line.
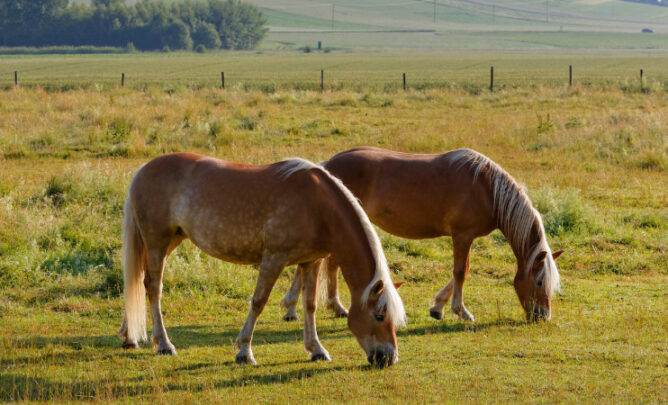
593	157
356	71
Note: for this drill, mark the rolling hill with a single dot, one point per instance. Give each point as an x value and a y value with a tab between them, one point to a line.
542	25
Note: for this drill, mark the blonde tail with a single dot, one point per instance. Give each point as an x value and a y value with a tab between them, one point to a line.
133	275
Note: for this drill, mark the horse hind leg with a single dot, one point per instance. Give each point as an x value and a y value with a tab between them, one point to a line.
289	301
462	251
156	258
312	344
333	301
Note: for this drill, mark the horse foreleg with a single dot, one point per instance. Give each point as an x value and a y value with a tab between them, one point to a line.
269	272
309	298
462	251
439	301
153	283
333	301
289	301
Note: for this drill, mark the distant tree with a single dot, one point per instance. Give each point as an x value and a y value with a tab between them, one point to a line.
149	24
205	34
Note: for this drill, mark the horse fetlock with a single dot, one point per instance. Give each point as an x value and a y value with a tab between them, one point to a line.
288	301
462	313
335	306
130	345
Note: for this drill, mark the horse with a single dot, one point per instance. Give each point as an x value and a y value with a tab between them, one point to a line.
462	194
290	212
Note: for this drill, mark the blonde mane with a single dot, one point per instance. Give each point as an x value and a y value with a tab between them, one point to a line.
515	213
389	298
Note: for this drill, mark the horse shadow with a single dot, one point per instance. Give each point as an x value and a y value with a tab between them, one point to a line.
17	387
457	327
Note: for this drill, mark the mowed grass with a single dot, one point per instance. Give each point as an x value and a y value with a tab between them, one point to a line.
593	159
356	71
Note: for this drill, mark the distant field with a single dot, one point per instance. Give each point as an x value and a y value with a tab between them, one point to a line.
465	25
472	15
343	70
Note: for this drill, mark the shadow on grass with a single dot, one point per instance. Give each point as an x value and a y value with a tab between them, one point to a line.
16	387
458	327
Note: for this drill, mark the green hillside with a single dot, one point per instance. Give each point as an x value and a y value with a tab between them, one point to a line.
533	25
465	24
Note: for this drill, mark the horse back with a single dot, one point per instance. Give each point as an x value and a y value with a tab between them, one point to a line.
416	195
231	211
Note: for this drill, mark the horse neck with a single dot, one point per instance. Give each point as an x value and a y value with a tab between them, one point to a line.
522	245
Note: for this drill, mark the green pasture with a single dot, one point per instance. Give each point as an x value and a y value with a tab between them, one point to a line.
593	157
269	71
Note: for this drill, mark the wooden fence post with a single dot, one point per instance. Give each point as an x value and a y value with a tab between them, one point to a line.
322	80
404	81
570	75
16	79
222	79
122	79
491	78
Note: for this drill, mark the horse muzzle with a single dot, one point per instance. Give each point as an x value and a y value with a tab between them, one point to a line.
383	357
539	314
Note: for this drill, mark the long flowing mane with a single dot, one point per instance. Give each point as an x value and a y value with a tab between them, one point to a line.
515	214
389	298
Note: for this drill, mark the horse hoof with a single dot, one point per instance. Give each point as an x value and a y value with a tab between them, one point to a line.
320	356
467	316
245	359
436	315
341	315
130	345
167	351
290	318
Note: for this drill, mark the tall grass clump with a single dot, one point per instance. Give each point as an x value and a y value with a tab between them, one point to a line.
563	211
60	189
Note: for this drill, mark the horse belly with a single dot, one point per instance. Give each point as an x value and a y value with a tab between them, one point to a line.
405	221
237	244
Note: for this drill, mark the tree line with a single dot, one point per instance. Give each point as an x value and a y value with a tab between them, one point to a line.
145	25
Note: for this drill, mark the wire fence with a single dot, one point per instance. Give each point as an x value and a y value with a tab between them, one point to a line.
338	80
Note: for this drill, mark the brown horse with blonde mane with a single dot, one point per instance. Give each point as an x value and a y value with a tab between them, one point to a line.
463	194
291	212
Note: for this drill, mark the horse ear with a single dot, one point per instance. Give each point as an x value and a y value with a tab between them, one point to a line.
377	288
540	257
556	254
398	284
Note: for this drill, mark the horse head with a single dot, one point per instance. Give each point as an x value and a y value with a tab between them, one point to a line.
535	283
374	327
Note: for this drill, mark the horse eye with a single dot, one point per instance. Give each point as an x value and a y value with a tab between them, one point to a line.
539	283
379	317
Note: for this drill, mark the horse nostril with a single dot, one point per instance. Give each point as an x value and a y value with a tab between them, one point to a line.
539	314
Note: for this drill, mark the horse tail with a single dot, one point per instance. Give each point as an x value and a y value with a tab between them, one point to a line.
134	254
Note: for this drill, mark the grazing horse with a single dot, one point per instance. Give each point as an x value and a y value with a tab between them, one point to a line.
291	212
463	194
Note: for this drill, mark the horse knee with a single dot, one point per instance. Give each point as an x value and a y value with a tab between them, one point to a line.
257	304
310	307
